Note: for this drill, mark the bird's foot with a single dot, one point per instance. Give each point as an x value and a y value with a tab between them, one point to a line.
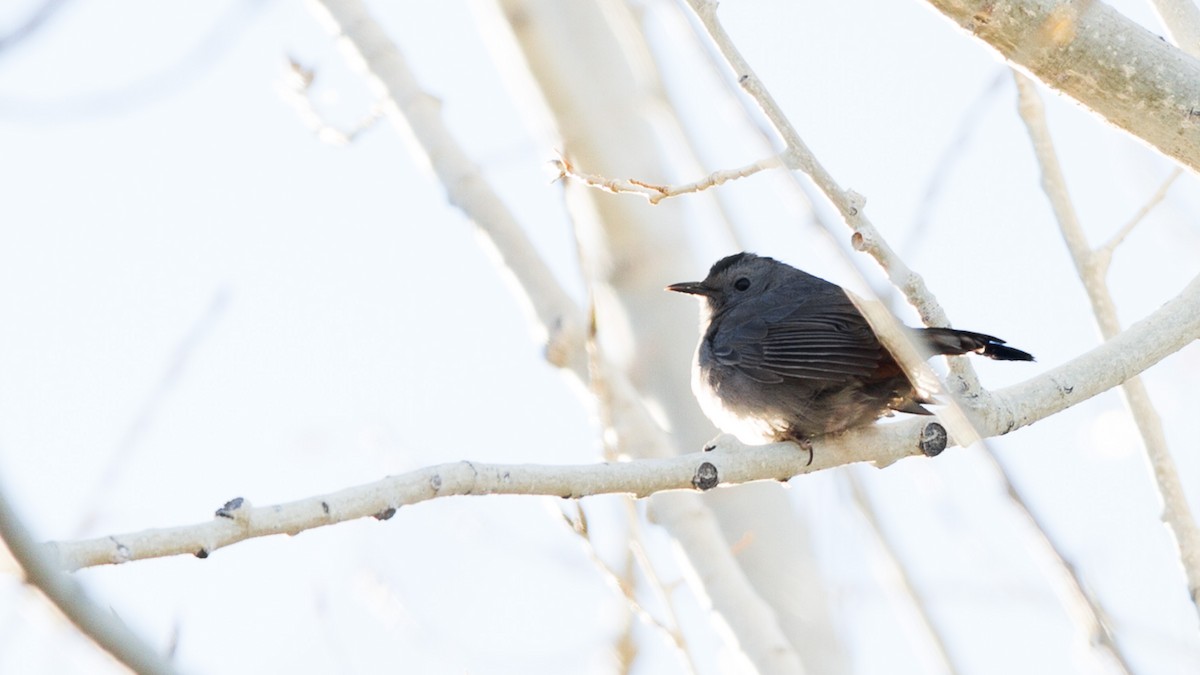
805	444
721	440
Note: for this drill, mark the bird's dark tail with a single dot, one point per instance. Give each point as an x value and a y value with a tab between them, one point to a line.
952	341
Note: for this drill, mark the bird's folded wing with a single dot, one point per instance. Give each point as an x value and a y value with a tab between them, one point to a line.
831	344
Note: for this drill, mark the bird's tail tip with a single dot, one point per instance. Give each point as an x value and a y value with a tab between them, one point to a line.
1002	352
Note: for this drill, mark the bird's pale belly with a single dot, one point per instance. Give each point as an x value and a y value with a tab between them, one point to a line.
750	427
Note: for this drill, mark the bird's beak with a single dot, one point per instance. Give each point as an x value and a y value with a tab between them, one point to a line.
691	287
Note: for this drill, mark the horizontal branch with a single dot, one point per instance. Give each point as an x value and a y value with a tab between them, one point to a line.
238	520
1170	328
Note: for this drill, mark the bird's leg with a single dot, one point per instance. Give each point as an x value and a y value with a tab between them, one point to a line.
801	440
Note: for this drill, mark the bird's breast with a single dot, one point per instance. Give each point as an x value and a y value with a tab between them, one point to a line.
728	399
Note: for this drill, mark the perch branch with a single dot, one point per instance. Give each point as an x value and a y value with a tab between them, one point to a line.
1170	328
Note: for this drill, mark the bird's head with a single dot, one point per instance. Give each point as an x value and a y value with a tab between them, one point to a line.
733	280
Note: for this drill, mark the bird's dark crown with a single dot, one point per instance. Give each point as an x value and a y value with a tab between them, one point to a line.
731	260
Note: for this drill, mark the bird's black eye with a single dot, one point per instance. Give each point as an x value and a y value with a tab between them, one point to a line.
742	283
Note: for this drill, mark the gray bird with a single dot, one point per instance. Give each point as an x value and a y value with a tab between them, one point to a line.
784	355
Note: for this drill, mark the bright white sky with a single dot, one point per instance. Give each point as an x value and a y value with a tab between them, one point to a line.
200	301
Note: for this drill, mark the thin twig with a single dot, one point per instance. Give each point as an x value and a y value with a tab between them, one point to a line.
185	348
969	122
624	584
656	193
1084	605
1106	249
295	86
920	603
31	24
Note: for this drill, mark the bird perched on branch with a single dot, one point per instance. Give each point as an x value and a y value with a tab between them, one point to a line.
784	355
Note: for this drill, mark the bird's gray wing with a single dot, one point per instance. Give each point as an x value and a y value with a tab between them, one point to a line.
824	339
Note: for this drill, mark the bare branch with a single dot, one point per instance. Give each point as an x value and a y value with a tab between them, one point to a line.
559	320
417	114
623	583
1092	53
1075	595
1181	18
1170	328
799	157
41	570
656	193
39	16
185	348
294	87
920	604
1106	249
849	204
1176	513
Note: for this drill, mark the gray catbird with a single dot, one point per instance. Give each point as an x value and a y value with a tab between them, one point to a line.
784	355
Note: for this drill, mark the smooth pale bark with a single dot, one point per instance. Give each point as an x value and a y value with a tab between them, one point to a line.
1124	73
584	59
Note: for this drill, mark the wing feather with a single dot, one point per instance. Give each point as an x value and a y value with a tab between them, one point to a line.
822	338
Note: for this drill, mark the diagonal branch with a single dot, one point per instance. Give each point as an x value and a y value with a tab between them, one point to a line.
1076	597
1105	250
1092	53
919	600
557	318
94	621
1181	18
418	115
1176	513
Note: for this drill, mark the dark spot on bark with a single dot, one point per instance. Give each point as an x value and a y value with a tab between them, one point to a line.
933	439
230	506
705	477
325	507
435	482
202	553
385	514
